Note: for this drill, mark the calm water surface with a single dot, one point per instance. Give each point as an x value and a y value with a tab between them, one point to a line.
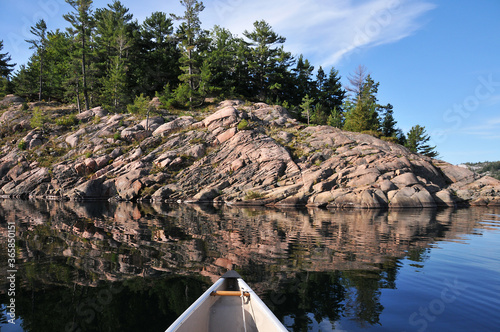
127	267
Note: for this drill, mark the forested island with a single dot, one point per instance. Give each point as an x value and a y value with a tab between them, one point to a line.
112	108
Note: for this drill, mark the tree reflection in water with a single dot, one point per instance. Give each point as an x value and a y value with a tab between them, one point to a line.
128	267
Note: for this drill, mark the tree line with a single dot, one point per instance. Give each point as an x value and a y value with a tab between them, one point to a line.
107	58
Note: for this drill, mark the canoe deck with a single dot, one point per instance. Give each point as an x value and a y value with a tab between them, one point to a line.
229	305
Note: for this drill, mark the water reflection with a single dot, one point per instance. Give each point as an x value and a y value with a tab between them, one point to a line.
110	267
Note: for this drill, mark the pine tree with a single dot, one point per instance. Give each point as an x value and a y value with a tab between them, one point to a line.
266	63
362	109
303	82
40	44
56	64
220	64
388	123
5	67
115	82
307	107
190	35
417	142
82	22
155	55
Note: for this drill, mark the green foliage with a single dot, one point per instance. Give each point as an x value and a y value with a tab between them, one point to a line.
336	118
417	142
198	140
306	107
249	195
192	40
40	44
182	95
486	168
167	97
5	67
266	64
243	125
106	57
140	105
4	87
38	119
68	120
22	145
373	133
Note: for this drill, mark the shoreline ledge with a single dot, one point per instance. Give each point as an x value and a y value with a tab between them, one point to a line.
235	153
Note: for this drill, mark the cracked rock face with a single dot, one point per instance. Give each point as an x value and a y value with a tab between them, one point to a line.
207	157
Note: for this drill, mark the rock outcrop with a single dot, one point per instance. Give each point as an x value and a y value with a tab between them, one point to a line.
238	154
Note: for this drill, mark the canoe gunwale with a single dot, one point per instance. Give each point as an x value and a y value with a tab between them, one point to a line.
260	316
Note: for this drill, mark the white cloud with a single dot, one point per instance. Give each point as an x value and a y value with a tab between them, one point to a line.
489	130
328	30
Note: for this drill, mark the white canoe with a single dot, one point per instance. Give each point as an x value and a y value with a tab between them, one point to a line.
229	305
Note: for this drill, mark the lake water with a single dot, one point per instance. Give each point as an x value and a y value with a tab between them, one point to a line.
127	267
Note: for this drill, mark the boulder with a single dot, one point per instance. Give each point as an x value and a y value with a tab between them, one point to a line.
164	192
405	180
366	199
166	128
11	99
208	194
224	117
85	116
444	198
411	197
129	185
135	133
94	189
152	123
228	134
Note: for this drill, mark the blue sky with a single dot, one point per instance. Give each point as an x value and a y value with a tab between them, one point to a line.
437	62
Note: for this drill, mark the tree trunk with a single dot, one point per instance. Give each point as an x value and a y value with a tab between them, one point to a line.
41	79
78	97
84	71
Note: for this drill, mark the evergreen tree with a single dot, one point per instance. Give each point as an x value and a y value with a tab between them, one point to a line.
58	58
307	107
25	81
266	63
417	142
109	23
362	109
302	79
220	64
331	96
320	81
115	82
113	38
155	56
336	118
388	124
40	44
82	22
190	35
6	69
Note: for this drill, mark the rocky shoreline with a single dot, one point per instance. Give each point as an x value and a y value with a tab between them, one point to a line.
232	153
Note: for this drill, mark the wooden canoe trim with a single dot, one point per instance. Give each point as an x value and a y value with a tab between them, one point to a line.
230	293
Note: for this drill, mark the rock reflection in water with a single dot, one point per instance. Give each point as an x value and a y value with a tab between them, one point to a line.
302	262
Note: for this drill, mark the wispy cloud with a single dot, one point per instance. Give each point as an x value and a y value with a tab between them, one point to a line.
328	30
489	130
